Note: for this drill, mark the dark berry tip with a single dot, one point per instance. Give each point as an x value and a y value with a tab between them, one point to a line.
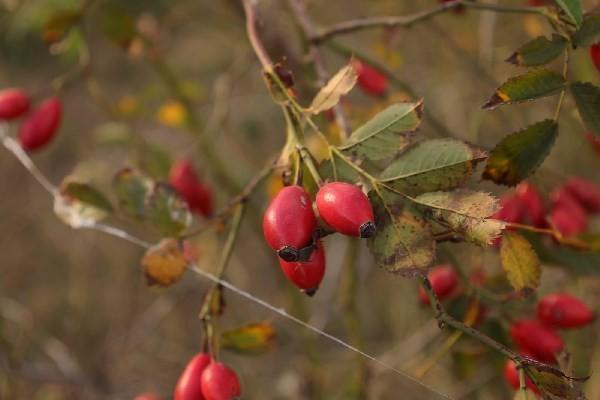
288	254
310	292
367	229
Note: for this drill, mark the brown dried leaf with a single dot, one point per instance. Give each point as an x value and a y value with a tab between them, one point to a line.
164	263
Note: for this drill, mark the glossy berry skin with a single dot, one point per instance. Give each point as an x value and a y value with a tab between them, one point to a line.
41	126
219	382
585	192
561	310
512	377
443	279
532	204
567	215
533	337
189	385
146	396
306	275
595	55
370	80
185	180
289	222
346	209
13	104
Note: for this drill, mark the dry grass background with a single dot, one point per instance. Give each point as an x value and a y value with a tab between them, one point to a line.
76	318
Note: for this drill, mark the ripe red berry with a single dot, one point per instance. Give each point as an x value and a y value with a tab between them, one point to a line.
443	279
370	80
346	209
198	196
537	3
585	192
511	209
567	215
593	140
146	396
289	222
512	377
595	55
532	204
306	275
41	126
533	337
189	385
219	382
13	103
561	310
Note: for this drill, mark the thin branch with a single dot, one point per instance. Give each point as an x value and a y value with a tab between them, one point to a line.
355	25
565	70
257	45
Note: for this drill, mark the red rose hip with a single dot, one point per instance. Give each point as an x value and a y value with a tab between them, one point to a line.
41	126
189	384
585	192
370	80
561	310
185	180
443	279
595	55
512	377
345	208
533	337
306	275
13	103
532	203
219	382
289	222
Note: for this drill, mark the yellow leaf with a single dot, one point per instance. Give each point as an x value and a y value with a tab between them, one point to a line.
520	262
172	113
251	338
127	105
164	263
329	95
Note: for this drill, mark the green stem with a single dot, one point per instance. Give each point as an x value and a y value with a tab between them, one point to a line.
522	384
565	70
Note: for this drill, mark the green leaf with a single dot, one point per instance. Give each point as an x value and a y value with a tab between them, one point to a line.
166	211
519	154
79	205
59	24
534	84
249	339
164	263
438	164
465	212
520	262
387	133
342	171
589	33
573	9
538	51
404	243
329	95
554	384
131	189
587	98
118	25
113	134
155	161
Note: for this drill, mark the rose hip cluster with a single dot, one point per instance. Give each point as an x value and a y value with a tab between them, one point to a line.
290	227
538	339
40	125
571	203
206	379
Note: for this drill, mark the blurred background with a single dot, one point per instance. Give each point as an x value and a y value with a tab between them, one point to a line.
77	320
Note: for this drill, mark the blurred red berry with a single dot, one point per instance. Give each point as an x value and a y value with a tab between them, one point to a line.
511	209
219	382
289	222
595	55
41	126
537	3
146	396
532	204
189	385
561	310
345	208
371	80
585	192
511	374
567	215
13	103
533	337
197	195
443	279
593	140
306	275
